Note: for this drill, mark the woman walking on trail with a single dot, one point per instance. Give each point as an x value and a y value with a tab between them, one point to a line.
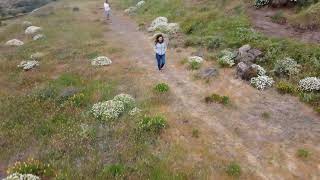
160	49
107	9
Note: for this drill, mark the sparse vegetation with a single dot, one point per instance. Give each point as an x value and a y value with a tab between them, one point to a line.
234	169
225	100
194	65
152	124
266	115
162	88
195	133
284	87
303	153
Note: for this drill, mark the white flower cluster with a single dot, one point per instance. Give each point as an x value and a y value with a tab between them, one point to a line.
126	99
260	3
107	110
310	84
112	109
261	82
135	111
227	58
287	66
17	176
261	70
195	59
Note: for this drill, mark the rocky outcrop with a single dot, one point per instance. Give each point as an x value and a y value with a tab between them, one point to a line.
248	55
14	42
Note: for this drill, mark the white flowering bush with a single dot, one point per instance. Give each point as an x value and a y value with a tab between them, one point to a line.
260	3
108	110
287	66
227	58
310	84
261	70
126	99
262	82
18	176
135	111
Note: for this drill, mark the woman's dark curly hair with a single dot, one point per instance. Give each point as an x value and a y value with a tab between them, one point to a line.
157	38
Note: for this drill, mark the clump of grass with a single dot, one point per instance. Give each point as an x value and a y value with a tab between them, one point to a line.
279	18
266	115
162	88
308	18
233	169
225	100
195	133
303	153
152	124
194	65
113	171
284	87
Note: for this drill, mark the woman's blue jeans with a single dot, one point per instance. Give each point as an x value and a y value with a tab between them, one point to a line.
161	59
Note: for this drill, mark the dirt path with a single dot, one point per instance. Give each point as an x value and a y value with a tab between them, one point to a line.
261	20
268	147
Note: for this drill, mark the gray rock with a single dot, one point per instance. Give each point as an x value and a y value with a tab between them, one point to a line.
67	93
208	73
256	53
246	72
244	49
248	55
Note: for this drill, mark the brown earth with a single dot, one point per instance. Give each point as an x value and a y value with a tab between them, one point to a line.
265	147
261	20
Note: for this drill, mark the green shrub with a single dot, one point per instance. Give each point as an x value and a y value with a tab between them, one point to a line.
192	41
213	42
115	170
266	115
284	87
234	169
194	65
225	100
31	166
195	133
303	153
152	124
312	98
161	88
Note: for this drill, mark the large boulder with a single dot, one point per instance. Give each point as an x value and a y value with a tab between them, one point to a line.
14	42
32	30
158	23
27	65
101	61
246	72
248	55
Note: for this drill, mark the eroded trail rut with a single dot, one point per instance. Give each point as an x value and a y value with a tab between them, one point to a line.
238	131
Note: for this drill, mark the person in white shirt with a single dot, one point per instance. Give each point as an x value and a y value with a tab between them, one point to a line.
160	49
107	9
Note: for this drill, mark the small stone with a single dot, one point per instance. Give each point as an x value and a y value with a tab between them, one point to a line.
32	30
14	42
208	73
101	61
